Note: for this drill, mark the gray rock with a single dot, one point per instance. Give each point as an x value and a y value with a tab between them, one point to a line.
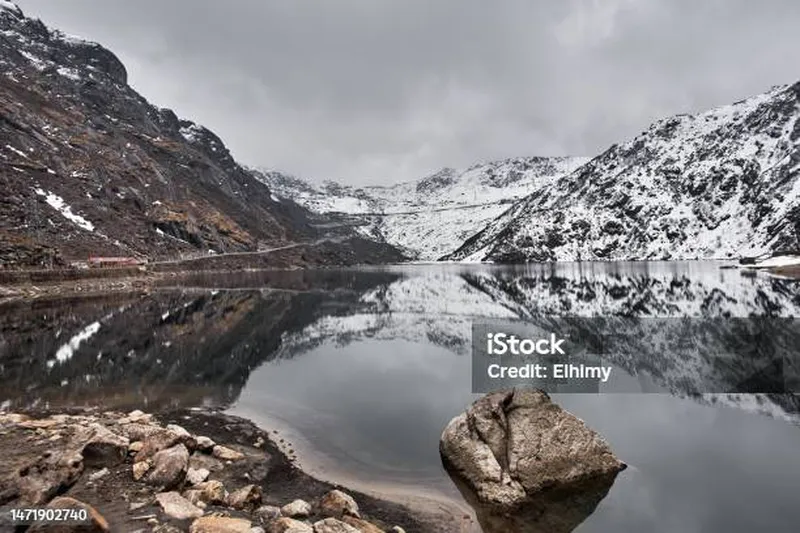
226	454
204	444
201	460
100	474
139	432
169	467
52	473
247	497
220	524
296	509
155	442
337	504
196	475
185	437
176	506
212	491
102	447
288	525
527	465
332	525
268	512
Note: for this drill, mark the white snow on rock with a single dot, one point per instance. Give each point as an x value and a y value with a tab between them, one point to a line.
10	6
70	73
192	132
58	203
17	151
37	62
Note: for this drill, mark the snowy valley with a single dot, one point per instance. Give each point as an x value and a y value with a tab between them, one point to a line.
431	217
716	185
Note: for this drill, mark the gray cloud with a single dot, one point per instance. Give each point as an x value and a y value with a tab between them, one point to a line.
376	91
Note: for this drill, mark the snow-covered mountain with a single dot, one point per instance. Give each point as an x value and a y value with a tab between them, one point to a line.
431	217
723	183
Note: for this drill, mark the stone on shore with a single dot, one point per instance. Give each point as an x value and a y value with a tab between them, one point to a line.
220	524
196	475
337	504
247	497
226	454
204	444
211	492
297	509
289	525
516	454
141	468
157	441
361	525
102	447
169	467
332	525
50	474
178	507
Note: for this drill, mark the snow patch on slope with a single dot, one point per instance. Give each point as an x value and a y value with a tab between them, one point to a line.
58	203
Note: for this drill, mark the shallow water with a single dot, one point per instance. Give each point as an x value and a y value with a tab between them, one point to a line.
364	367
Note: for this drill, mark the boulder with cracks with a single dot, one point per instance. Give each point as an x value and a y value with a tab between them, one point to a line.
527	465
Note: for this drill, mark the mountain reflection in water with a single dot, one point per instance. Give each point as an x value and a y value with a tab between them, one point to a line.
199	345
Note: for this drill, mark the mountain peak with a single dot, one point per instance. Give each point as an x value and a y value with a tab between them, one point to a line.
10	7
717	184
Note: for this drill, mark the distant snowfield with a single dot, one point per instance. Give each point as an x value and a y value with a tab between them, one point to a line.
433	216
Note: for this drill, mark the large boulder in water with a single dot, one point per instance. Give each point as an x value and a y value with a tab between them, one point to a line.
527	465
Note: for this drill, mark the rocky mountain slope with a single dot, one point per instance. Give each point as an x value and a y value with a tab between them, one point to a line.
718	184
430	217
89	167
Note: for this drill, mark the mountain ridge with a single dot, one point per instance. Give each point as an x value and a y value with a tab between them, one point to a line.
718	184
428	217
88	166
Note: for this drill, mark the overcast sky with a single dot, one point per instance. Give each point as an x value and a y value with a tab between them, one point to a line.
378	91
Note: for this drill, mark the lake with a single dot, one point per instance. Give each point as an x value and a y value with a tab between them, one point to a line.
360	370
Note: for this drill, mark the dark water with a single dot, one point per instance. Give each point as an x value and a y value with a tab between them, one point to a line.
368	366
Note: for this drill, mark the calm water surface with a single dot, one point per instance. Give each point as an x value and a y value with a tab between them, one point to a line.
364	368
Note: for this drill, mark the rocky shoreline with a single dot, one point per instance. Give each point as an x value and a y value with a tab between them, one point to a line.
196	471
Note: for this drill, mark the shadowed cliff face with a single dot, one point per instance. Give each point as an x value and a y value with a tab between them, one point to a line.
89	167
